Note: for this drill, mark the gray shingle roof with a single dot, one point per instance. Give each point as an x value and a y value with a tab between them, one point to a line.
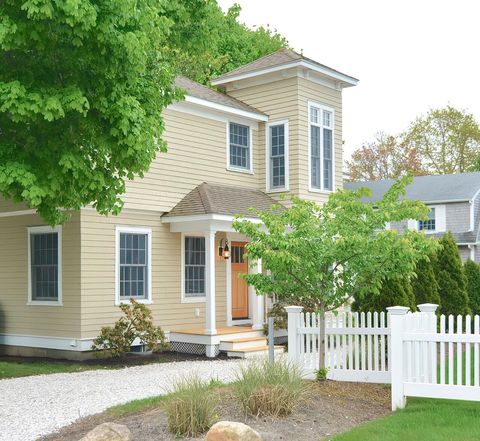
221	199
437	188
197	90
282	56
463	237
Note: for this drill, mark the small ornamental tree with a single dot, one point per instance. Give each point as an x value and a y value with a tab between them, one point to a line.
424	283
472	273
451	278
324	255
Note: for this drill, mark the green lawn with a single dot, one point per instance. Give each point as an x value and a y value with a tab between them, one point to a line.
13	369
423	420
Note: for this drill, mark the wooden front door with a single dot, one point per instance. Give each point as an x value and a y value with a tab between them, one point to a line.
239	285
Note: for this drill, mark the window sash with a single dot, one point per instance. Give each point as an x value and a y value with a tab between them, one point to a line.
321	148
239	146
429	224
277	156
133	265
194	267
44	266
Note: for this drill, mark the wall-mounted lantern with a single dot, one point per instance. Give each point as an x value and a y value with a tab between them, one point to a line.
224	250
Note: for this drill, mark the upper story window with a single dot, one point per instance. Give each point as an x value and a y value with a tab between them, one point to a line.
277	161
240	151
133	264
321	147
45	265
429	224
194	268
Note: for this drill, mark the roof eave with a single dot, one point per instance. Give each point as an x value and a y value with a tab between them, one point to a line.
346	80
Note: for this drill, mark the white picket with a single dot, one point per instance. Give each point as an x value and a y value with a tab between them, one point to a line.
476	364
459	351
468	329
442	351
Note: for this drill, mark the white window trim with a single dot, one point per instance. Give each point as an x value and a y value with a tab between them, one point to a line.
184	298
45	229
321	189
139	230
286	187
250	148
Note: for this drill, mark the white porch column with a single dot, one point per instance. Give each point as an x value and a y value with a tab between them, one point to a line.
210	326
258	310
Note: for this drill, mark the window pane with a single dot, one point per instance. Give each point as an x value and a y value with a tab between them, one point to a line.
327	160
277	156
133	265
315	156
239	146
194	271
44	266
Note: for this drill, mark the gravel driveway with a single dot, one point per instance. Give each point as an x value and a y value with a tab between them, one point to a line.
34	406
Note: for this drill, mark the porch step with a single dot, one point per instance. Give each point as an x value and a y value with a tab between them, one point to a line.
257	351
233	344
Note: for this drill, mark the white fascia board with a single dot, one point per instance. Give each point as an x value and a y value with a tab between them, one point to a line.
206	217
226	109
350	81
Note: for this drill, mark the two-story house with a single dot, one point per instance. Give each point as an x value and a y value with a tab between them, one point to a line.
454	202
274	127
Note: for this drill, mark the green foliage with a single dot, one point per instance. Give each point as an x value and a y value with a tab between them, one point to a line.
395	292
321	374
425	285
136	323
83	85
451	278
472	273
191	408
270	389
324	255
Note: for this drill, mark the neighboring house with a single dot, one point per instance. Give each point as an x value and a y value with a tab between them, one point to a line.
275	128
454	202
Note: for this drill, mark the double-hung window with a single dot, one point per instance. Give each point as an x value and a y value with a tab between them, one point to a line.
429	224
239	156
277	144
45	265
321	147
133	264
194	267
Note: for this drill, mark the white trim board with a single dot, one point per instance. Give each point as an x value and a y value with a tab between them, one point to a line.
183	298
286	187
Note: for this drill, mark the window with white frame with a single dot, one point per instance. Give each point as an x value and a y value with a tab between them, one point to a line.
239	147
278	156
194	267
45	265
321	147
134	266
429	224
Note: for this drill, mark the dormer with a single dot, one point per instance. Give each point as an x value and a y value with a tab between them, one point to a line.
303	135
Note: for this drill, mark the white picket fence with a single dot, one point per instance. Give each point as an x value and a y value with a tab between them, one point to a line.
402	348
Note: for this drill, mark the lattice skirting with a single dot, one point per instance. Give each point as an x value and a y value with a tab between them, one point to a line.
191	348
281	340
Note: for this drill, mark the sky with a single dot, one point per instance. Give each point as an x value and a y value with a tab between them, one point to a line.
410	56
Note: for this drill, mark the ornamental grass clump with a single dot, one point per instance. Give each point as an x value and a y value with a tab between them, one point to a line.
270	389
191	409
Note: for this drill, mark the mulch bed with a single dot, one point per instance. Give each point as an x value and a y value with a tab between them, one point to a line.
332	407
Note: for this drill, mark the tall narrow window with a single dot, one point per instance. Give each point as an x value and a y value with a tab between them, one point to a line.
429	224
239	146
45	265
321	148
194	271
134	264
278	166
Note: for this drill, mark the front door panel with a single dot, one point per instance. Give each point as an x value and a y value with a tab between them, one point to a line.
239	285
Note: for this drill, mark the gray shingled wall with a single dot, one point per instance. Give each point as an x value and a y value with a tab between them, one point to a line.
458	217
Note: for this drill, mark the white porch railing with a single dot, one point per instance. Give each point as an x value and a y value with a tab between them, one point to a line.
401	348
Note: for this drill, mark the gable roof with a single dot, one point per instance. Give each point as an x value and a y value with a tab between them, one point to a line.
197	90
433	188
282	57
221	199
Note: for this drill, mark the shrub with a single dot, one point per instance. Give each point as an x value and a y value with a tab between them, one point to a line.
396	292
472	273
425	285
321	374
191	408
451	278
270	389
136	323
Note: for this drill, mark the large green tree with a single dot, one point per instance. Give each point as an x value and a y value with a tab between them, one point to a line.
472	274
323	255
83	84
424	283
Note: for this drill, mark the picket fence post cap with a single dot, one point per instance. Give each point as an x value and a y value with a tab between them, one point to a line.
427	307
398	310
290	309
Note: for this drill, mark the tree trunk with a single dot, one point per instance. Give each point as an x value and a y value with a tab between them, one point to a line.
321	342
